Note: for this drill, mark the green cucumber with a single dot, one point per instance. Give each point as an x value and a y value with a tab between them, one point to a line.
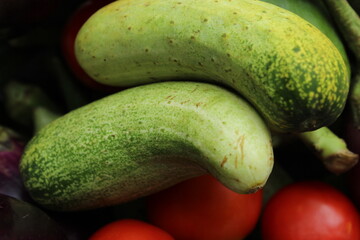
145	139
286	67
317	14
355	4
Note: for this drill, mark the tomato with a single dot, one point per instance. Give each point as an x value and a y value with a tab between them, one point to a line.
310	210
74	23
203	209
130	229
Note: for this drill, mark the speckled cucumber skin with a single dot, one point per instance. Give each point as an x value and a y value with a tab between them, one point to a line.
289	70
144	139
317	14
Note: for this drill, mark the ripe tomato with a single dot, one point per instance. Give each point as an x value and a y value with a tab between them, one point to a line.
130	229
203	209
310	210
70	31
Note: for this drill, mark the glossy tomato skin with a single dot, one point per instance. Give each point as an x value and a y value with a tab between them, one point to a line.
203	209
310	210
130	229
72	27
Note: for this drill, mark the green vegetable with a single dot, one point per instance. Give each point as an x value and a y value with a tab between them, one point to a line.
287	68
348	21
331	149
21	100
317	14
355	4
145	139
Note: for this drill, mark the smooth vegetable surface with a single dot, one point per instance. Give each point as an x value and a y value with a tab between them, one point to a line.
130	229
70	31
144	139
330	149
310	210
203	209
102	162
348	22
299	84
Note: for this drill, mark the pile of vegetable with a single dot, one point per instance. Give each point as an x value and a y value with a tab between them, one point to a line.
180	119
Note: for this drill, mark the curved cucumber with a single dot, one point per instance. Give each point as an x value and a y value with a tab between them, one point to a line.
287	68
145	139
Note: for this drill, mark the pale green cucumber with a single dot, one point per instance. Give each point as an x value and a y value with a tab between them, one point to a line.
145	139
286	67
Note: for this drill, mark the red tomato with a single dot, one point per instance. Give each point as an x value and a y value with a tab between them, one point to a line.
70	31
130	229
310	210
203	209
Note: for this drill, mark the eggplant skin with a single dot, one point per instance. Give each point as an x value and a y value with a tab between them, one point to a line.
11	149
21	220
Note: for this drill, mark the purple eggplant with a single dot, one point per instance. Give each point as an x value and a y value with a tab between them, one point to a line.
76	226
21	220
11	149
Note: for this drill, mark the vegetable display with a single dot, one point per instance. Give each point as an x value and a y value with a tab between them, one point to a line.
318	15
179	119
69	33
348	22
183	210
297	85
130	229
310	210
144	139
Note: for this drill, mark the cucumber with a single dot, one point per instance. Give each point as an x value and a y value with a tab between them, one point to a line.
145	139
317	14
355	4
284	66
